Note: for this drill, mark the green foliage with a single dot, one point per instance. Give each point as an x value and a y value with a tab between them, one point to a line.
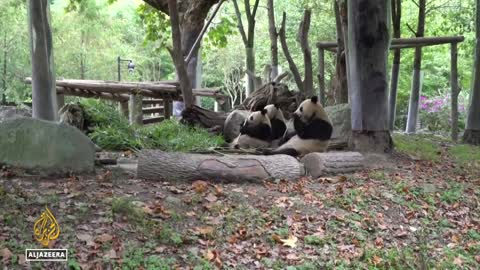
112	131
417	146
136	259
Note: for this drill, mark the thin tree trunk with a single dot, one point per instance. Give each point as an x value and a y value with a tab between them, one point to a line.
178	57
321	75
43	75
288	56
340	89
368	43
472	131
302	37
455	90
82	56
272	29
4	77
248	40
396	19
417	65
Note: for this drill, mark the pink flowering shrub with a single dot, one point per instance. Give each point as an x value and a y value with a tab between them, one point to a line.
435	113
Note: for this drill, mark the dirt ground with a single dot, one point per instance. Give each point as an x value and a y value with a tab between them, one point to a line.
399	213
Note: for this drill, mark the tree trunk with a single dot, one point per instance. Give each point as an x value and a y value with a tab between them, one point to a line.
455	90
272	29
321	76
340	88
3	101
368	43
417	65
250	56
43	75
396	19
472	131
82	55
178	56
158	165
302	37
248	40
288	56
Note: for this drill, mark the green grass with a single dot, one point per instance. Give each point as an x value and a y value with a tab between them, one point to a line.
418	146
465	154
111	131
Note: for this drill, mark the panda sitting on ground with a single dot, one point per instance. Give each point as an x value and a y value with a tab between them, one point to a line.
256	132
278	123
313	130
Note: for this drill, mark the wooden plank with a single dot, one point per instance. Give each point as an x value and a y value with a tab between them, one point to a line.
168	107
152	101
153	110
152	120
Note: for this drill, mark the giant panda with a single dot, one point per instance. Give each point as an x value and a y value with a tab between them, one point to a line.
313	129
278	122
256	131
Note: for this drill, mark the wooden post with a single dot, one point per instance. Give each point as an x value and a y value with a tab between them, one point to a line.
321	75
60	101
455	89
167	107
135	106
123	108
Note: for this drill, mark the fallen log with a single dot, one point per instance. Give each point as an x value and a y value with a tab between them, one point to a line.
159	165
321	164
203	117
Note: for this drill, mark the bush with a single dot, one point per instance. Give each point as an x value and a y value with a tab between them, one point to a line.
435	114
112	131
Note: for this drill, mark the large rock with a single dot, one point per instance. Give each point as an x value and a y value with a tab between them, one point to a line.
10	112
45	147
231	128
340	116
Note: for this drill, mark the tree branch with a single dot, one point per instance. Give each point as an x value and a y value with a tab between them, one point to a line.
239	22
288	56
255	7
177	56
204	29
411	30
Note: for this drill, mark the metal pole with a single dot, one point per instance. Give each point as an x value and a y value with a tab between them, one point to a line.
118	61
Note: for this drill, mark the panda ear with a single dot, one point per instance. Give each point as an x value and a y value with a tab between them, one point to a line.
314	99
276	105
264	112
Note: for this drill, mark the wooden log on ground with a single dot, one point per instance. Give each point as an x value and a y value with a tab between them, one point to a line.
159	165
203	117
321	164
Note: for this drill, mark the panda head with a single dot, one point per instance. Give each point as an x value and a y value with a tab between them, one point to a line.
257	125
310	109
258	118
274	112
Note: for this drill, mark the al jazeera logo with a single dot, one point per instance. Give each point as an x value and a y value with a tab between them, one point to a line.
45	230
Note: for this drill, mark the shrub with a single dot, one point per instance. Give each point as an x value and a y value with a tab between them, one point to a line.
112	131
435	113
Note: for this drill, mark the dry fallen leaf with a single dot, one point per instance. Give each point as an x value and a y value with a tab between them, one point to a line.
291	241
6	255
211	198
376	260
200	186
104	238
87	238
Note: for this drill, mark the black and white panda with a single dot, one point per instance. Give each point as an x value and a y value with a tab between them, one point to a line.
256	131
278	123
313	129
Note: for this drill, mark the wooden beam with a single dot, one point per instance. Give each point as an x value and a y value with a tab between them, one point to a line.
402	43
152	120
153	110
73	92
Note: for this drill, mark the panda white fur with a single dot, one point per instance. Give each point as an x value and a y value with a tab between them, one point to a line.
256	131
313	129
278	123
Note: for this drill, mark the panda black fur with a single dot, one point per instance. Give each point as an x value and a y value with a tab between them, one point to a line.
256	131
278	123
313	130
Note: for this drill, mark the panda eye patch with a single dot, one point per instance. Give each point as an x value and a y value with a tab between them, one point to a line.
301	109
251	118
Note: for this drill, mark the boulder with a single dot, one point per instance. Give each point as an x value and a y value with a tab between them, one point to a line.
340	116
10	112
45	147
231	128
